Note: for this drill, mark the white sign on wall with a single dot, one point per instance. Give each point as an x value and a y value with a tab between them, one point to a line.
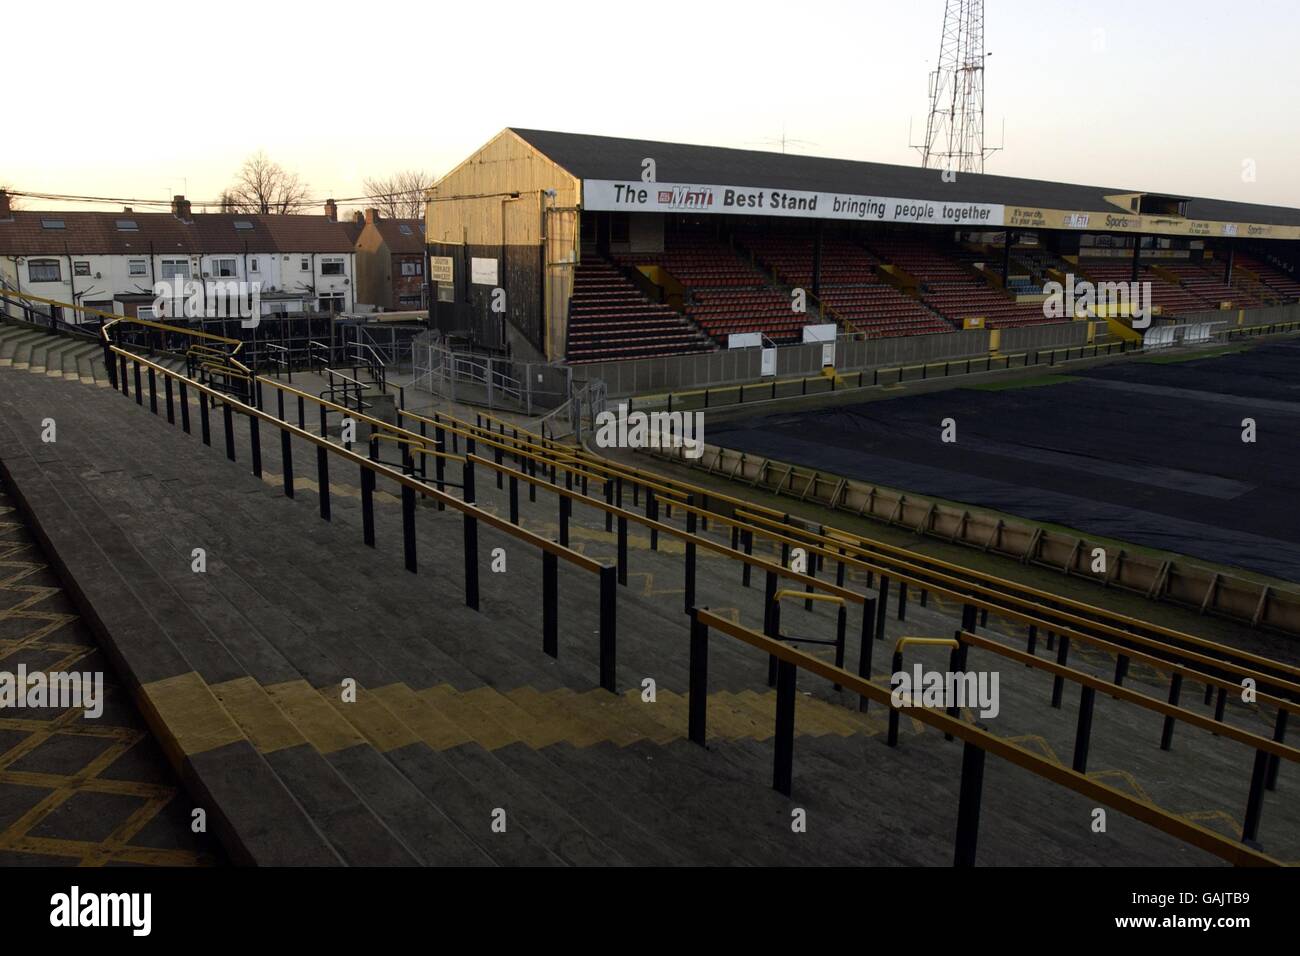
769	362
744	340
483	272
440	269
635	196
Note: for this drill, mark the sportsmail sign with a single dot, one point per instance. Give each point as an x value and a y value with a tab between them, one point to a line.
614	196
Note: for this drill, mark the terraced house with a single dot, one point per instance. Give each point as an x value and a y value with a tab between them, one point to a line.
111	261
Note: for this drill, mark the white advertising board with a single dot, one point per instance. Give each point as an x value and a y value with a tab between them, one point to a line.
633	196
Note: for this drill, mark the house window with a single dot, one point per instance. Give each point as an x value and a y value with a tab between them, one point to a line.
43	270
81	268
137	267
243	224
305	264
51	223
127	225
331	303
254	265
145	312
223	268
414	301
404	229
172	268
331	266
412	267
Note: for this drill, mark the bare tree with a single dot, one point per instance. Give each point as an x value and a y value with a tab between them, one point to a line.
264	186
14	201
401	195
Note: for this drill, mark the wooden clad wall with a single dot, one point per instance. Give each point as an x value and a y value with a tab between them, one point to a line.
473	207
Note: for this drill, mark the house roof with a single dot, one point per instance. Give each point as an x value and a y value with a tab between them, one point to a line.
29	233
612	158
94	233
402	236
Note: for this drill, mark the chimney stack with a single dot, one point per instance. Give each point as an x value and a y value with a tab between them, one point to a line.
5	212
372	215
127	209
331	210
359	218
181	207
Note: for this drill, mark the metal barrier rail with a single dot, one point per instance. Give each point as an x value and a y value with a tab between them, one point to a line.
976	744
370	470
1268	752
1125	628
870	378
522	447
989	598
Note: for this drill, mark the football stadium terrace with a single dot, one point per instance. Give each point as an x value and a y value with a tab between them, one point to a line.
439	637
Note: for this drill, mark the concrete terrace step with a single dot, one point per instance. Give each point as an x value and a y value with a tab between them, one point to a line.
463	709
402	736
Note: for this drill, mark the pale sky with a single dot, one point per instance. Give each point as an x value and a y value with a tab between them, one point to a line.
143	99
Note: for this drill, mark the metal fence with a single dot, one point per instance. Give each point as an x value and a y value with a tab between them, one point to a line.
491	381
729	366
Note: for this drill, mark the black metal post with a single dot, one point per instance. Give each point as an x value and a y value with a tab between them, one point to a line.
550	605
690	558
864	648
1083	731
286	462
622	549
185	408
1255	799
368	506
1279	735
171	406
771	622
882	608
1058	682
698	691
228	420
408	526
255	442
608	626
783	745
747	540
1167	732
968	806
322	479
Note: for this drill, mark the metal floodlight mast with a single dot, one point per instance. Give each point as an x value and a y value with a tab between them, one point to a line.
954	130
